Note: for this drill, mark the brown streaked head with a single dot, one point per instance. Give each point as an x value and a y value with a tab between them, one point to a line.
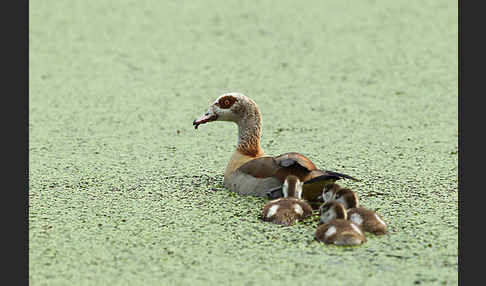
332	210
347	197
329	192
292	187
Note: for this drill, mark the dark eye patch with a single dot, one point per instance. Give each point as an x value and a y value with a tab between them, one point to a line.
226	102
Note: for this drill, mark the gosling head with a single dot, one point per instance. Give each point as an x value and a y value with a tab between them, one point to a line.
347	197
329	192
292	187
332	210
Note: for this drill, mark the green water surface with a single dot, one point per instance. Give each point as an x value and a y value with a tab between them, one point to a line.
123	190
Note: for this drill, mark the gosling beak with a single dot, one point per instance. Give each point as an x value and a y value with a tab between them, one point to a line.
207	117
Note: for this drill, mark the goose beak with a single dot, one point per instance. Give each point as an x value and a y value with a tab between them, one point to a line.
207	117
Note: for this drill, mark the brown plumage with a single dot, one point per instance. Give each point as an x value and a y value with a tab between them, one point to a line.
285	213
347	197
278	168
329	192
290	209
335	228
367	219
250	171
343	234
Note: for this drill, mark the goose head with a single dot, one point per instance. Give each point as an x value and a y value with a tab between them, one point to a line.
232	106
242	110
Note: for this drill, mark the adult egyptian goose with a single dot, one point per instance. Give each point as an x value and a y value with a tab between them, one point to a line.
335	228
250	171
289	209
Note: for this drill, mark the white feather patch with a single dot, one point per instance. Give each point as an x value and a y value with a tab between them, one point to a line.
285	189
356	218
298	190
272	210
379	219
356	228
330	231
298	209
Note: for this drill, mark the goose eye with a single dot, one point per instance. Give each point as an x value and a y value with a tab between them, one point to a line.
226	102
